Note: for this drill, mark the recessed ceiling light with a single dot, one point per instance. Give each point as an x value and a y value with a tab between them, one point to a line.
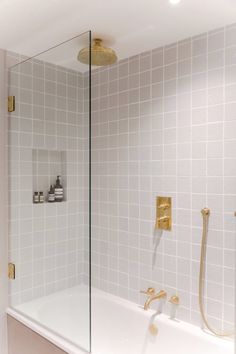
174	2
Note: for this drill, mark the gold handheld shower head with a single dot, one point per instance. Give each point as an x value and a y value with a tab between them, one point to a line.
205	216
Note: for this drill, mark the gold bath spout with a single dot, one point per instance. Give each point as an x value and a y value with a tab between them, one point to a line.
152	296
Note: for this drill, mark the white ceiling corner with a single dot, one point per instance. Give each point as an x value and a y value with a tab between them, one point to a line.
130	27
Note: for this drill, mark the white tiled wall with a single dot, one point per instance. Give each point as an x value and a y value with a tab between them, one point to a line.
45	241
164	123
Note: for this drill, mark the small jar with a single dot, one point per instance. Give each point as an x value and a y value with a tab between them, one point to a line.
41	197
36	197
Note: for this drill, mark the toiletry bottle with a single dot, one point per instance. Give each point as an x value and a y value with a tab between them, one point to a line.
41	197
51	195
36	197
58	190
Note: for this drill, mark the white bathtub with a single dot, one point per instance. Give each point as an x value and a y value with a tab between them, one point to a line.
118	326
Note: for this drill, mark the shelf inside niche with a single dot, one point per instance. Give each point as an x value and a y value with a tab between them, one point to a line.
47	165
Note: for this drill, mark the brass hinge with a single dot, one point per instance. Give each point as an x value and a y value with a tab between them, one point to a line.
11	103
11	271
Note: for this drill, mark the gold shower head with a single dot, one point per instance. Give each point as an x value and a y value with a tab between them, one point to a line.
100	55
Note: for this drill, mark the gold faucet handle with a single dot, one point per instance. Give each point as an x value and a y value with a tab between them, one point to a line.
148	292
174	300
162	294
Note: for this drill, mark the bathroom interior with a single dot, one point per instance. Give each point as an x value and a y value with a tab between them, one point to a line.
118	177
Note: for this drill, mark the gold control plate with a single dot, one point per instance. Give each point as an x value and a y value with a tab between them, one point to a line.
11	271
163	213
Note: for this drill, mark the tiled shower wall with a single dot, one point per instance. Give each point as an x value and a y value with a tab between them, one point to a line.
45	241
164	124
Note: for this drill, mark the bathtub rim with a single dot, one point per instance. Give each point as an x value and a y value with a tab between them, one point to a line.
72	348
46	333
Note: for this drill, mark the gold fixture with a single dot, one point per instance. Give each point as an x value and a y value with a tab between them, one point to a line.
163	213
11	103
11	271
100	55
206	214
152	296
153	329
174	300
148	292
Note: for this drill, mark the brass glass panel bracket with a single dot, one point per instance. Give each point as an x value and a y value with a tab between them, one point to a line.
11	271
11	103
163	213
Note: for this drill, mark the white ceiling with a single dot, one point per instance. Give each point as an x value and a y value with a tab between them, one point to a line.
129	26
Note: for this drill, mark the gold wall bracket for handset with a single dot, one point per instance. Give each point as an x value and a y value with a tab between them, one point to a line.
163	213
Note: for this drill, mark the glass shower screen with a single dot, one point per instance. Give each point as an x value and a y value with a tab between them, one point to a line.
49	189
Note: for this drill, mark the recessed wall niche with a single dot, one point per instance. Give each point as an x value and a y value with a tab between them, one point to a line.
47	165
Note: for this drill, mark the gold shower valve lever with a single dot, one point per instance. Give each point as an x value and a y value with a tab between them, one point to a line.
164	219
163	206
